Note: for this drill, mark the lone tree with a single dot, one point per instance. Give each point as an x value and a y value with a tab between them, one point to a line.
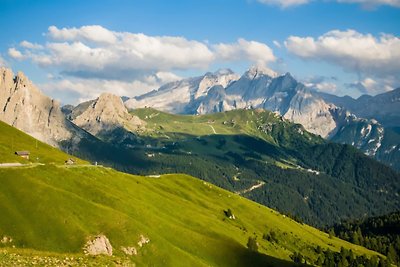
252	244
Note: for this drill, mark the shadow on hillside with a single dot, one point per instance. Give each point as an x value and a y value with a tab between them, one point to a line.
245	257
327	174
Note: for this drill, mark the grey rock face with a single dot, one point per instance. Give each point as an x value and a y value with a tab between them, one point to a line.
106	113
25	107
182	96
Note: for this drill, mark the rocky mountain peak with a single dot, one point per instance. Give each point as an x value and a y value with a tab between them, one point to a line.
222	77
25	107
256	71
106	113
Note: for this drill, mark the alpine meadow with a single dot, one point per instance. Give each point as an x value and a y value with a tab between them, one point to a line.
200	133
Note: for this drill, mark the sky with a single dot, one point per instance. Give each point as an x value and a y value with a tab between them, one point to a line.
74	50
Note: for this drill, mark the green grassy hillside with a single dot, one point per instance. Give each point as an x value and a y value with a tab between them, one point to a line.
50	211
286	167
54	209
12	140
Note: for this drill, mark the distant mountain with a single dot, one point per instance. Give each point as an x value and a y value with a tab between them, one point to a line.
383	107
256	88
322	114
177	97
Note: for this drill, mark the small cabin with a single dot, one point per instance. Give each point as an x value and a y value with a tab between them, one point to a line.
23	154
70	161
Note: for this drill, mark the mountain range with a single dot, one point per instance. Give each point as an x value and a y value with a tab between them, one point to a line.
369	123
256	153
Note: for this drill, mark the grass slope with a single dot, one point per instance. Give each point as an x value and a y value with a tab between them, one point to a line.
51	210
12	140
55	209
304	175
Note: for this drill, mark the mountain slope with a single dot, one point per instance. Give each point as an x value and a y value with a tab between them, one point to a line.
330	116
256	149
12	140
178	97
378	233
254	89
55	209
105	114
383	107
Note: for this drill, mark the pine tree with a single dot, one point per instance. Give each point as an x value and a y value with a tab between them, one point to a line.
392	255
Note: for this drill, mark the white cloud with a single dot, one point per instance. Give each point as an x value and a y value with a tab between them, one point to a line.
96	51
93	57
93	33
76	90
30	45
323	84
284	3
256	52
362	54
16	54
371	86
327	87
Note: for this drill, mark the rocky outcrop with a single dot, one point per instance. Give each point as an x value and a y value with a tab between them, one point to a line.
143	240
105	114
25	107
130	251
99	245
383	107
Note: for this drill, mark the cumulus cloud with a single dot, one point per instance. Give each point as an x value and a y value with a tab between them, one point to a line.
125	59
256	52
15	54
371	86
363	54
94	33
94	51
74	90
30	45
323	84
284	3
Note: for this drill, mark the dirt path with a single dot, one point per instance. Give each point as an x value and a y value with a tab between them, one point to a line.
260	183
213	129
17	164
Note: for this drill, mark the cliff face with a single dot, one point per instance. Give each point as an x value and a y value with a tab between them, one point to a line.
25	107
107	113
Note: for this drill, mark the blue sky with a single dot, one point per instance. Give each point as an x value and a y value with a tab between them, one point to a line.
342	47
